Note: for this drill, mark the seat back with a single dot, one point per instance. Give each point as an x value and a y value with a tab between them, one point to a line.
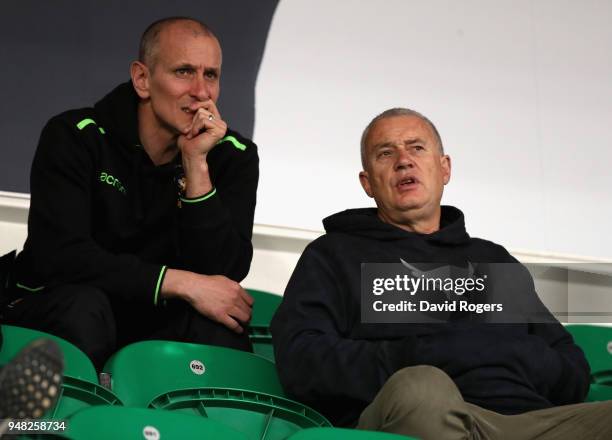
599	393
229	386
80	388
76	363
596	342
142	371
260	416
261	339
77	394
111	422
265	306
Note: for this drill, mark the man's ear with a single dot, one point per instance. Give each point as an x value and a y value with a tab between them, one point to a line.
445	163
364	179
140	78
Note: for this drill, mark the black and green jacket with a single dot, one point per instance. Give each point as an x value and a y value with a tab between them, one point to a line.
102	214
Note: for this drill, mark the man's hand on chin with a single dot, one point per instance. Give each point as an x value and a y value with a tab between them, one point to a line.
205	130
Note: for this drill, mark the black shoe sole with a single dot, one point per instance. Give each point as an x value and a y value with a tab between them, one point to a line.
31	382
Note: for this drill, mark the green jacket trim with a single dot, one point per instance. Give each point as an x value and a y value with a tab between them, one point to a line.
29	289
200	199
85	122
234	141
160	278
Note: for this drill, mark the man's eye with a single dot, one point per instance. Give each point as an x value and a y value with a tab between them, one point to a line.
384	153
184	72
211	75
419	147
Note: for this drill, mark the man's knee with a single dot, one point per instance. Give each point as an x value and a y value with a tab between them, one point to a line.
420	385
421	401
86	319
86	310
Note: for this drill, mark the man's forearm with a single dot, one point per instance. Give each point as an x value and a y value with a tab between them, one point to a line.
175	284
216	214
197	177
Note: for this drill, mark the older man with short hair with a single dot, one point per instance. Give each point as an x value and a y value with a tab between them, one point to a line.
444	375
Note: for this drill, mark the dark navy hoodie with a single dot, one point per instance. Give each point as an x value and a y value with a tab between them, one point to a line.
327	358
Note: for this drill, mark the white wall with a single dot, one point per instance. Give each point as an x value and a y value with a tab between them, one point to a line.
520	90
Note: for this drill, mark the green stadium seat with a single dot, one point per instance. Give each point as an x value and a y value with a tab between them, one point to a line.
112	422
80	388
77	394
143	370
236	388
76	363
260	416
265	306
261	338
599	392
342	434
596	342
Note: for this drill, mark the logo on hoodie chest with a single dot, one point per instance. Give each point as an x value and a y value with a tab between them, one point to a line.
109	179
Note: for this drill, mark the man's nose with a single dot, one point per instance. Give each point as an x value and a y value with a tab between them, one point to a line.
200	89
404	159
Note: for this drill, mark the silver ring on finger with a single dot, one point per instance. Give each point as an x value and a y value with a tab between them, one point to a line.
211	117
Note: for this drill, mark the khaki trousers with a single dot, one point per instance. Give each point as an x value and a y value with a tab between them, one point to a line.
424	402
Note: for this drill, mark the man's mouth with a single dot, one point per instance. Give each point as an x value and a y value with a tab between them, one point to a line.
188	110
407	183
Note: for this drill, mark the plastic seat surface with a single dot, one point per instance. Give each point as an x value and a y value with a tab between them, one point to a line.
76	395
596	342
80	388
232	387
144	370
261	338
257	415
264	308
76	363
599	392
108	422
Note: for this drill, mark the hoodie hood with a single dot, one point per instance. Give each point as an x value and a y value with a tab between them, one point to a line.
118	114
118	111
365	222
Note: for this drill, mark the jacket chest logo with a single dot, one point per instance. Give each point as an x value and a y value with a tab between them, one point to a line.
112	181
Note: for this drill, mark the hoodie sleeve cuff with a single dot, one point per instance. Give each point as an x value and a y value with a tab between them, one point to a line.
206	214
160	281
200	199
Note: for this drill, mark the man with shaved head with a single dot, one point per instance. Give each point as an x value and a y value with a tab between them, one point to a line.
142	209
357	340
